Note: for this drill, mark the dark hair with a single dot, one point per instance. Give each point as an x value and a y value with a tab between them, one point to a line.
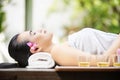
19	51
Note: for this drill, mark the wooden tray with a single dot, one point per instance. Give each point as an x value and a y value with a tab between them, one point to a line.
76	68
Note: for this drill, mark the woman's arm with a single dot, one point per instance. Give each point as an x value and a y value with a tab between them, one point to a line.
113	48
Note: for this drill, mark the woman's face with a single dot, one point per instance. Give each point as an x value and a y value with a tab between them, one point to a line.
41	37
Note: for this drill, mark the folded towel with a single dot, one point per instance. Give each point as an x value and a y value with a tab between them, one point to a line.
40	60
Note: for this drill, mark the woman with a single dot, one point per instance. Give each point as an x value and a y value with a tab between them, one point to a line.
86	41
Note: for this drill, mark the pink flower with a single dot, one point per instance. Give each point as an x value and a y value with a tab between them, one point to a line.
32	45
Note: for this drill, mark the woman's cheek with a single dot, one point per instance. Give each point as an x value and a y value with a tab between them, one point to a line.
35	39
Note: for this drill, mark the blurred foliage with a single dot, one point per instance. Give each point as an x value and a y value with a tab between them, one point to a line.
2	14
99	14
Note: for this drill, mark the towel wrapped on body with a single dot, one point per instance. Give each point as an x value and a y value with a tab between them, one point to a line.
41	60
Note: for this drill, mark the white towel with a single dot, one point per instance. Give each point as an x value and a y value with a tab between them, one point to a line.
40	60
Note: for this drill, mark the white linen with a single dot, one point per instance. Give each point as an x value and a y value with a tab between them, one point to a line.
40	60
91	40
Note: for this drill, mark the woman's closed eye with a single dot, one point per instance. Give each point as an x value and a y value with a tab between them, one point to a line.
32	33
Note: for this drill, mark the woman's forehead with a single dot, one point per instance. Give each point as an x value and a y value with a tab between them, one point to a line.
24	36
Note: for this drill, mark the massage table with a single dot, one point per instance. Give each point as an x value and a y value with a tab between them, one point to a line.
11	71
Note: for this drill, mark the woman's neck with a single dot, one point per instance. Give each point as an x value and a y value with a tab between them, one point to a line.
49	48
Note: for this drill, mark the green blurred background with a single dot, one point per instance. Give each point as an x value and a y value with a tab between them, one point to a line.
100	14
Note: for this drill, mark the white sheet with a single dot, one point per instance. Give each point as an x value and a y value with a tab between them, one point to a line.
91	40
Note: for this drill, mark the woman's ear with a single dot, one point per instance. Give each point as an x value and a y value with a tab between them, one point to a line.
35	49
